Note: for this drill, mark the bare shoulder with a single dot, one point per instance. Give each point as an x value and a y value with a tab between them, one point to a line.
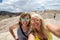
14	26
31	37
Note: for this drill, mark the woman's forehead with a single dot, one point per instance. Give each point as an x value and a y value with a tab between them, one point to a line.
35	18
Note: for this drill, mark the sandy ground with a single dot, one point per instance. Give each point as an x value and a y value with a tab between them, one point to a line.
6	23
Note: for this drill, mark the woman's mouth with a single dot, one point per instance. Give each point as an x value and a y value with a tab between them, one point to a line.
24	22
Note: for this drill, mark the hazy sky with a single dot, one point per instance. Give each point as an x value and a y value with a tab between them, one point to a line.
29	5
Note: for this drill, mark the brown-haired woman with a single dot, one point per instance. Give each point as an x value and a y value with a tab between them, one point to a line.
23	27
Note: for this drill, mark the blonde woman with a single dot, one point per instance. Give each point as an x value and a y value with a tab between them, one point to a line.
40	31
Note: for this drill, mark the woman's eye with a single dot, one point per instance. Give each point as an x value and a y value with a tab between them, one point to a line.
37	20
27	18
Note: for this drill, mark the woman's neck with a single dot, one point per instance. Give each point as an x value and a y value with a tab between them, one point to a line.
41	35
38	31
25	28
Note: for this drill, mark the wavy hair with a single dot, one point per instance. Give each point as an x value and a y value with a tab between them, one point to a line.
42	28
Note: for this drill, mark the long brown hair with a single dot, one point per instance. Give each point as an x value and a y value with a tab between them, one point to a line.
22	16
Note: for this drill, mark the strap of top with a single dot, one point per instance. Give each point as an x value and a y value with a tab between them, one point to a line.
23	31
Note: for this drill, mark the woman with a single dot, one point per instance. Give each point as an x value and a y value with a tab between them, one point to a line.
40	31
23	27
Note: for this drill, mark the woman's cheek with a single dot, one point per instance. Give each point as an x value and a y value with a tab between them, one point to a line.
37	23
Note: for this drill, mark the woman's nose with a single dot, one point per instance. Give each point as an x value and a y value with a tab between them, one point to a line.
34	22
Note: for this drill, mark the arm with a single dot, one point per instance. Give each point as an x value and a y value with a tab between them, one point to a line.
54	29
11	30
31	37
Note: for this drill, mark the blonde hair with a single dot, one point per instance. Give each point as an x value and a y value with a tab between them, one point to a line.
43	26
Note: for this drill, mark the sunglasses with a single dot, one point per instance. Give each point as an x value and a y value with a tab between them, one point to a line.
25	19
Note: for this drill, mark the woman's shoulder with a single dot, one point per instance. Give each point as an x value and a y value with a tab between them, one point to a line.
31	34
31	37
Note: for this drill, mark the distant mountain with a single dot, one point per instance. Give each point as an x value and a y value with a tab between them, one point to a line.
52	11
8	13
49	11
45	11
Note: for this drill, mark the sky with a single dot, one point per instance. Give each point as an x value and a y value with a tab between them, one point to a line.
29	5
0	0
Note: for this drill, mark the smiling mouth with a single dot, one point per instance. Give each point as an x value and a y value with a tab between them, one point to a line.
24	22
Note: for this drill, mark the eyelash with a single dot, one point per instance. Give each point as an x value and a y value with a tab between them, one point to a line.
35	20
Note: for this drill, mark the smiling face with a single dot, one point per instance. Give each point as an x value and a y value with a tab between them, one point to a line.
25	20
36	23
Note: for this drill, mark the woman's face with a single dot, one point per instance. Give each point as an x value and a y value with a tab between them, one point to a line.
25	20
35	22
